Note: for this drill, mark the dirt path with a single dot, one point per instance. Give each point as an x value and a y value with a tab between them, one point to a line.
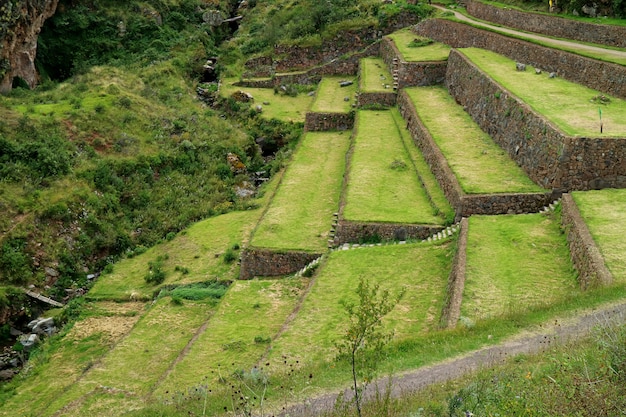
547	336
562	44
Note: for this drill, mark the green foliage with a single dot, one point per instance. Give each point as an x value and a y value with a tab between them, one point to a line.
15	263
156	275
200	291
230	256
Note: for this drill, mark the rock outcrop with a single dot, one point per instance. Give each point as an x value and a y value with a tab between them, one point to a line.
20	24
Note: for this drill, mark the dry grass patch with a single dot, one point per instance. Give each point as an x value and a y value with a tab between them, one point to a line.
480	165
603	211
515	263
415	48
374	76
330	96
568	105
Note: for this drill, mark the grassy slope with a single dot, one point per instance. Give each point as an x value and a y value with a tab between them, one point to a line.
300	215
433	52
566	104
480	165
379	160
329	97
281	107
603	212
515	263
374	76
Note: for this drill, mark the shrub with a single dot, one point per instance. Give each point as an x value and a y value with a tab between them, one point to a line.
230	256
156	275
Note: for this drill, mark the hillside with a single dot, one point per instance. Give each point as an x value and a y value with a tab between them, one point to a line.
206	184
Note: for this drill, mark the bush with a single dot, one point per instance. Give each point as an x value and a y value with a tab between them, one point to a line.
230	256
156	275
15	262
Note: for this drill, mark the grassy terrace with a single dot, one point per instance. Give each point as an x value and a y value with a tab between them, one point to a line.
281	107
374	76
481	166
406	41
568	105
383	185
603	212
330	95
421	269
515	264
300	215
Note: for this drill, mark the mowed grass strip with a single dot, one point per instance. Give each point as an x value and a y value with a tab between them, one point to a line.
383	185
281	107
515	264
604	213
480	165
374	76
238	334
405	40
568	105
300	214
330	96
437	197
422	270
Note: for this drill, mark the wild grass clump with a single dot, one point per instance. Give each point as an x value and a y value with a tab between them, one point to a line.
213	290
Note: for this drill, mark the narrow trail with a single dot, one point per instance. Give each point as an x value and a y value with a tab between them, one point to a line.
560	43
557	333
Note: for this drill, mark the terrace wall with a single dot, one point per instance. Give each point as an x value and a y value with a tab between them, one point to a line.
268	263
379	98
606	77
549	25
550	158
456	281
353	232
411	73
317	122
466	204
585	255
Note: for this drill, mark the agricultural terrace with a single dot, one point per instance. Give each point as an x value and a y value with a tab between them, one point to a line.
426	176
235	335
383	185
374	76
330	95
300	214
195	255
603	212
573	108
415	48
480	165
422	270
515	264
281	106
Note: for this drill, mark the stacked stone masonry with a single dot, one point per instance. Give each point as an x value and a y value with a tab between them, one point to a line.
549	25
351	232
550	158
411	73
269	263
606	77
586	257
456	281
365	99
318	122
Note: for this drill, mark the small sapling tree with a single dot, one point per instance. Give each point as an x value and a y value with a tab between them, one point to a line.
363	341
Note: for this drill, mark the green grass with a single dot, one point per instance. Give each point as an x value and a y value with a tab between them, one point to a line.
515	263
230	336
281	107
603	212
300	215
566	104
374	76
437	197
480	165
383	185
404	39
330	96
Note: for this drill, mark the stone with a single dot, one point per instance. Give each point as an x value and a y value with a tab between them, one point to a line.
552	75
29	341
537	71
520	67
346	99
259	108
345	83
7	374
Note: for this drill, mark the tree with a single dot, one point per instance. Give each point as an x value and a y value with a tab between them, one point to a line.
364	339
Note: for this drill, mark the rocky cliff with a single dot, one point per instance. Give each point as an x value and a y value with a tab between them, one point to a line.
20	24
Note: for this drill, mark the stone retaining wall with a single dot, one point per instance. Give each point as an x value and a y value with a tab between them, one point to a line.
549	25
376	99
466	204
354	232
317	122
585	255
456	281
550	158
606	77
268	263
411	73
